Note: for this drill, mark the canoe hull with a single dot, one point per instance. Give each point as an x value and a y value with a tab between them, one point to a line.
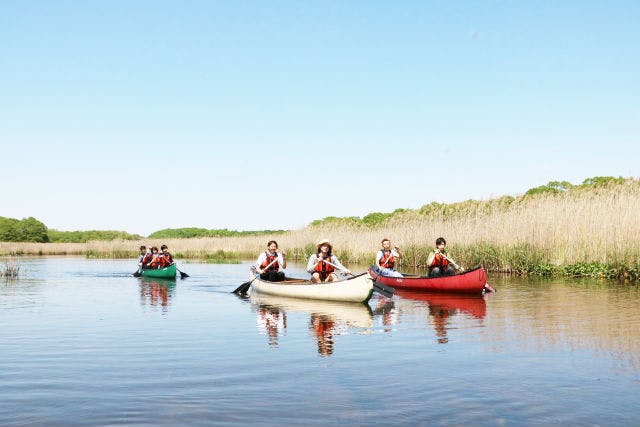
356	289
162	273
469	282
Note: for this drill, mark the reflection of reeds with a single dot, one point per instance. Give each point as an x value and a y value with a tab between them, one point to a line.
12	268
594	232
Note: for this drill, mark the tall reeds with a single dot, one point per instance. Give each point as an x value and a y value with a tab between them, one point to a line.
12	268
584	231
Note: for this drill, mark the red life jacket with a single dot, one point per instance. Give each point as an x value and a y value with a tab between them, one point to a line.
323	268
147	258
155	260
164	260
387	260
439	261
269	259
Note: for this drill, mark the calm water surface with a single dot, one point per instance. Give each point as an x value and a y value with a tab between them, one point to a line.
82	342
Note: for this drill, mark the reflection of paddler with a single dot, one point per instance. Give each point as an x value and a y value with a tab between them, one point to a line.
322	327
440	322
349	313
157	292
272	321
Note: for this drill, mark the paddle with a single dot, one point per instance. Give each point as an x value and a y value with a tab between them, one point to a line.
243	288
383	290
183	275
456	266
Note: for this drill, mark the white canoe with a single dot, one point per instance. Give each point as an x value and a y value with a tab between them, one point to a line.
353	314
355	289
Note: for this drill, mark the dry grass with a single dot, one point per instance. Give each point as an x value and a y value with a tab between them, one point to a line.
598	225
12	268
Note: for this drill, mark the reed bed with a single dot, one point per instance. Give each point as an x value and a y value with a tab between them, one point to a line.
586	232
12	268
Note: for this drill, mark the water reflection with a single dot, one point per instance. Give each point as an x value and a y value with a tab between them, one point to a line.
272	321
440	309
326	320
157	292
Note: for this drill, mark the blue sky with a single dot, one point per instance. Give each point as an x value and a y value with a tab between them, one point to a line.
246	115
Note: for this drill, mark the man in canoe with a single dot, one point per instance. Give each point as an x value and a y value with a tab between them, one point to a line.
167	258
145	262
143	252
270	262
440	262
386	259
322	265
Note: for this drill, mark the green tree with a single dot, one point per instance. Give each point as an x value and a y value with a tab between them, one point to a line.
25	230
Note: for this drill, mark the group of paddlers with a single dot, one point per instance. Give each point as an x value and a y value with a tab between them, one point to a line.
323	265
151	258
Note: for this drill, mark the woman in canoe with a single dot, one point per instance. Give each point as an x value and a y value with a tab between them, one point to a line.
440	262
270	262
323	264
386	259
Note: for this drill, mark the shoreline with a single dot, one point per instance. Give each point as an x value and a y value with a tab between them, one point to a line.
515	261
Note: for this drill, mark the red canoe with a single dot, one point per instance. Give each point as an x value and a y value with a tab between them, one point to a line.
469	282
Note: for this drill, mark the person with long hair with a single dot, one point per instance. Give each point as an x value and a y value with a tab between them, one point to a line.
323	264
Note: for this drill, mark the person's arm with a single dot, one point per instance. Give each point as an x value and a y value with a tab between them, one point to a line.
260	261
379	256
282	260
336	261
396	252
432	256
311	265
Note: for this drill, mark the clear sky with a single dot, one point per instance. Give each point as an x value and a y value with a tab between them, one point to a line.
143	115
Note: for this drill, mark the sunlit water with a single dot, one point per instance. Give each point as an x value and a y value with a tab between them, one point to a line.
82	342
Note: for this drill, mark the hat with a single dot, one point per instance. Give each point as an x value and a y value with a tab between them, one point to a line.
324	241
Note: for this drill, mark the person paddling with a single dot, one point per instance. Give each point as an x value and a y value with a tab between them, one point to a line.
167	259
319	264
386	259
146	259
155	258
440	262
143	252
270	262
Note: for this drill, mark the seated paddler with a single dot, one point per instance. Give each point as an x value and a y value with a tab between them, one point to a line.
386	259
323	264
440	262
270	262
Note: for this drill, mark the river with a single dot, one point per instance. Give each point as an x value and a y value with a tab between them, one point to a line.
84	343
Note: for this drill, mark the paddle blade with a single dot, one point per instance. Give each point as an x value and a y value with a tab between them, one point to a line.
137	274
242	289
183	275
384	290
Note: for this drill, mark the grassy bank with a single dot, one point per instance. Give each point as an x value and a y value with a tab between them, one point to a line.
582	231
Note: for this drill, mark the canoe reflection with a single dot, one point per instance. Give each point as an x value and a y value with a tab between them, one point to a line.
442	308
327	318
156	292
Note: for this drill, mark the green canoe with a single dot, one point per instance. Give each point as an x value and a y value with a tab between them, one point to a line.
167	272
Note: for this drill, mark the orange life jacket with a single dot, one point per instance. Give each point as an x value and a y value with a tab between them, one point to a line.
155	260
164	260
387	260
323	268
147	258
269	259
439	261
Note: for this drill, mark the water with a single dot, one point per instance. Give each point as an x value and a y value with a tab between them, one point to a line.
84	343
